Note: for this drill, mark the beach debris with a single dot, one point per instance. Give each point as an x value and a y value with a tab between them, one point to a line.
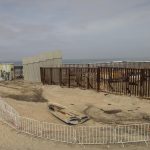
146	117
112	111
66	115
130	110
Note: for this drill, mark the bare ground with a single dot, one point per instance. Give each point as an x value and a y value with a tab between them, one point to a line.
22	91
30	100
11	140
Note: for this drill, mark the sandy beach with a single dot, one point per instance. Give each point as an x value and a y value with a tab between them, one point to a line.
11	140
31	100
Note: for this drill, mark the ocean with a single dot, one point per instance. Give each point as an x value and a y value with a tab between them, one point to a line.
88	61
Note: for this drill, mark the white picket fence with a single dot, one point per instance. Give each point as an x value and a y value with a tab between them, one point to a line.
104	134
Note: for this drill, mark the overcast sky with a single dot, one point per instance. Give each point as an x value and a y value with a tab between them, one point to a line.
80	28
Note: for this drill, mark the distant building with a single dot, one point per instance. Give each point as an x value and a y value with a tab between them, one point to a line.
6	71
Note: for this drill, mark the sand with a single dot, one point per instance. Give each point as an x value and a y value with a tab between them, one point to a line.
11	140
97	104
30	100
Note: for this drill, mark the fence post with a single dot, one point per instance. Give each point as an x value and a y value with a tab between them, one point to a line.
60	76
41	73
98	79
51	75
75	135
88	76
69	77
141	82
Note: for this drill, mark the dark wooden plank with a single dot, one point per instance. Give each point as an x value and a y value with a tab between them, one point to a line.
98	79
41	74
60	76
69	77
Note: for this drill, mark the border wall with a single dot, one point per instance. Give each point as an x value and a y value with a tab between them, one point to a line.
126	81
31	65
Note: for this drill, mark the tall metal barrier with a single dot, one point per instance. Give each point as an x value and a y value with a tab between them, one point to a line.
125	81
31	65
102	134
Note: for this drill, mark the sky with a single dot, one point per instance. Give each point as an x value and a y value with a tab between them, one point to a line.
80	28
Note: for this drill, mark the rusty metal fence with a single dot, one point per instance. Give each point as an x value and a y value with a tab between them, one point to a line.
125	81
102	134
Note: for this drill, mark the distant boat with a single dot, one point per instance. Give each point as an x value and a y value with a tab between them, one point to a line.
66	115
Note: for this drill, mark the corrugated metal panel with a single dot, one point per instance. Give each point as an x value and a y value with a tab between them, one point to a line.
31	65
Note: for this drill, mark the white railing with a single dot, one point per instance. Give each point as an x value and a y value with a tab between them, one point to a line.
104	134
8	114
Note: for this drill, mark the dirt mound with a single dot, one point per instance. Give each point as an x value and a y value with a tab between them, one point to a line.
111	115
33	96
22	91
